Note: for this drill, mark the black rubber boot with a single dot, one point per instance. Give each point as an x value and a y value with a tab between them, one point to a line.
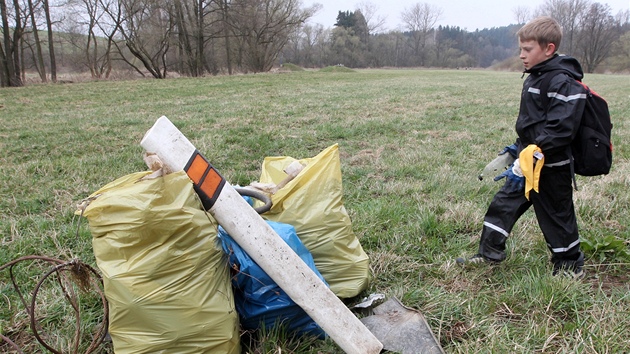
573	268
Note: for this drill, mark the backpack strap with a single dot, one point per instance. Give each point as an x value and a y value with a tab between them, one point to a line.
544	90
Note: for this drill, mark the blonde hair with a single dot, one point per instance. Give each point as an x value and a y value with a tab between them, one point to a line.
543	30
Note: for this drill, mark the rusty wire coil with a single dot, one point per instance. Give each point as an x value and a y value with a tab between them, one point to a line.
84	276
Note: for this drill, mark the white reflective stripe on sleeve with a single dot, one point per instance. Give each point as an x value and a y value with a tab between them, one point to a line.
566	98
564	249
534	90
496	228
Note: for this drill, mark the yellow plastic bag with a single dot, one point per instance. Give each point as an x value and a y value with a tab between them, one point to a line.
165	275
313	203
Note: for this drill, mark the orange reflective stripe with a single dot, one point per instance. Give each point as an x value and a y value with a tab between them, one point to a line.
197	168
211	183
206	180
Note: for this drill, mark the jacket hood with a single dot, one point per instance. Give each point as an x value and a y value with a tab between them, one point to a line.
559	62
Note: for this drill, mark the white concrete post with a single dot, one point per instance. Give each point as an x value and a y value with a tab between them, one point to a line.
260	241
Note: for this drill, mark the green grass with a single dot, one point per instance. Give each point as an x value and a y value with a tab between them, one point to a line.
412	143
336	69
291	67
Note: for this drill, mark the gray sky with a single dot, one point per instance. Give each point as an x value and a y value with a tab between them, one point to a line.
470	15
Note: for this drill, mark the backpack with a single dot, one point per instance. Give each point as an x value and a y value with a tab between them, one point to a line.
592	145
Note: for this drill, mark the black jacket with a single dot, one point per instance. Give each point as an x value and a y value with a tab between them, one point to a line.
552	128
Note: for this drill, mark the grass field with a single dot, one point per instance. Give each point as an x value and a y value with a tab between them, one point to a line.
412	143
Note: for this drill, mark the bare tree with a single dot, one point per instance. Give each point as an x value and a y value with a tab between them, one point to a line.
39	58
621	53
146	27
188	18
197	22
567	13
522	14
12	57
316	44
225	26
51	47
385	50
263	27
310	46
95	25
420	19
375	23
10	53
598	32
7	68
623	17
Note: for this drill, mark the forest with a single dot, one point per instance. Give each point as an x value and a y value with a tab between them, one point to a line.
43	39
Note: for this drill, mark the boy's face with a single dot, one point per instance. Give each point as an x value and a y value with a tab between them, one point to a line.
532	53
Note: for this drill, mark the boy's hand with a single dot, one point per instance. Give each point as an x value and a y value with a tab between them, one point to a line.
512	149
514	180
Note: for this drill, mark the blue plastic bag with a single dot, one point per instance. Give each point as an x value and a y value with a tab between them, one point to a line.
258	299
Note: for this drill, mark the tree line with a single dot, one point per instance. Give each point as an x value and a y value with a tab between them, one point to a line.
156	38
592	34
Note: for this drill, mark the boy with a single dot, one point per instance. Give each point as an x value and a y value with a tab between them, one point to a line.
543	152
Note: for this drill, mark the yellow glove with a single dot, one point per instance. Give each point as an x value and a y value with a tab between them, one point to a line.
532	161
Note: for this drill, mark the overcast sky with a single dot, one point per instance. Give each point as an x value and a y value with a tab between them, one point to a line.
467	14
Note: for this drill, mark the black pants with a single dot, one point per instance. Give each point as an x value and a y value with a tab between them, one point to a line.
554	209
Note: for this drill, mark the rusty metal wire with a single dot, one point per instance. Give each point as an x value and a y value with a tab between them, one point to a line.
15	347
85	277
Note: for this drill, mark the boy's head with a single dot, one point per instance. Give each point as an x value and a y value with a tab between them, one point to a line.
539	40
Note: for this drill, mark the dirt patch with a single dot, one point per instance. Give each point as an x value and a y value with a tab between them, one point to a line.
608	281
